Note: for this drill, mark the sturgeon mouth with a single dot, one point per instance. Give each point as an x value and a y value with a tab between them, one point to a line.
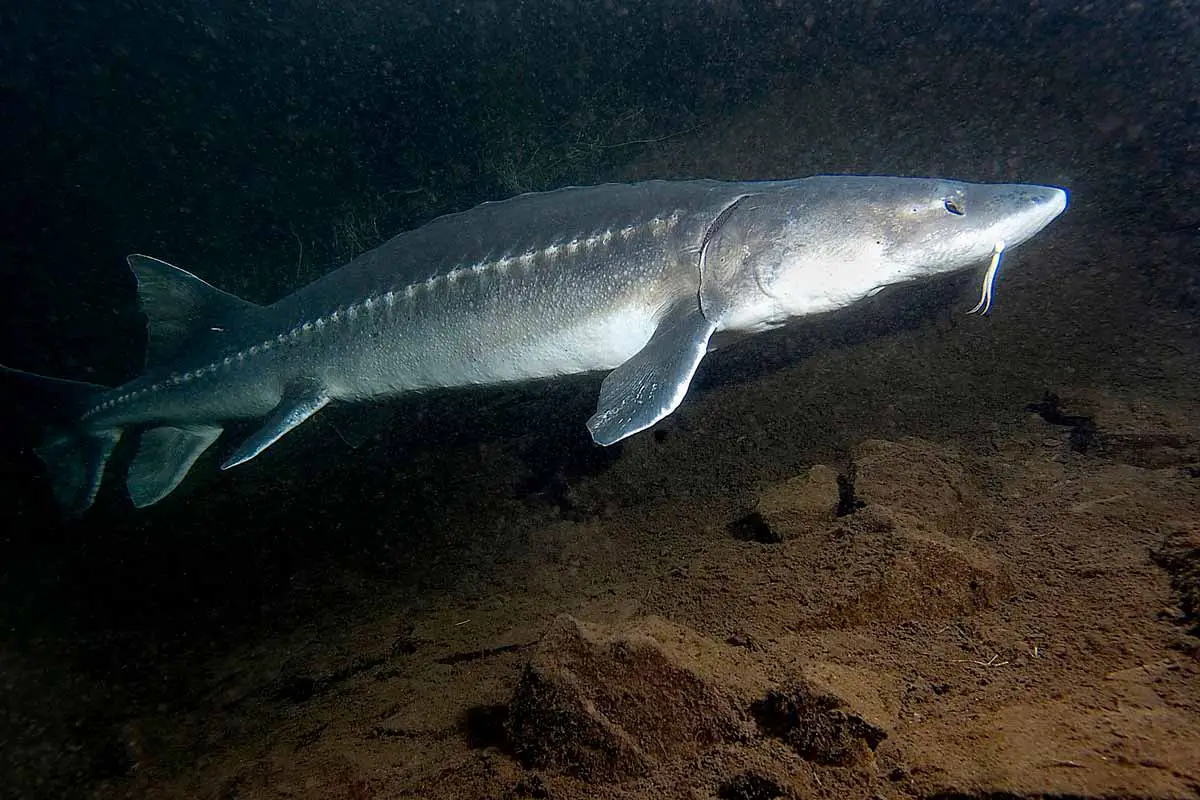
1046	206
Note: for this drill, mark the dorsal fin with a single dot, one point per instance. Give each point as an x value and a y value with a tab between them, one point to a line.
180	308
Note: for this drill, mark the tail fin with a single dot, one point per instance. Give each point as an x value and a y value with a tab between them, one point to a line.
76	462
74	456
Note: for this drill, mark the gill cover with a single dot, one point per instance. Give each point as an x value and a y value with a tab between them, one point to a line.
736	258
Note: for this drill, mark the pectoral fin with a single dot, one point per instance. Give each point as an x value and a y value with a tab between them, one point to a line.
651	385
300	401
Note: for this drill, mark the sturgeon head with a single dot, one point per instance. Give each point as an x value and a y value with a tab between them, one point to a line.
792	248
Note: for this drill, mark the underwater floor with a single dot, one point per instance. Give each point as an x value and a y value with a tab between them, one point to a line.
998	597
899	553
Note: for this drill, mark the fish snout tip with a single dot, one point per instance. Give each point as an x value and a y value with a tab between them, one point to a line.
1044	204
1057	198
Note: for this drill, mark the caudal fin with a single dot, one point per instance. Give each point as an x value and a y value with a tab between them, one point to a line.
75	462
74	456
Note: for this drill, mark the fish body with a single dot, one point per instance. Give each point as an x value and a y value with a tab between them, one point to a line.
632	278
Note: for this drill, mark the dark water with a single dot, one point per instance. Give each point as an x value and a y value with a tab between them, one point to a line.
260	144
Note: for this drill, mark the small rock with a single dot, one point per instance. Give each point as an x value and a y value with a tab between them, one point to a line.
818	723
606	705
917	480
799	505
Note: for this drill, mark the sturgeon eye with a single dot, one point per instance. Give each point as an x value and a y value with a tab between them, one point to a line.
953	207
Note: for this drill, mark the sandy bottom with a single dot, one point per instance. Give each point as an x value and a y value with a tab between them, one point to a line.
896	553
934	558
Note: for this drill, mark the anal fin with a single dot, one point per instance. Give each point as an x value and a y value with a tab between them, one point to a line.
652	384
300	401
